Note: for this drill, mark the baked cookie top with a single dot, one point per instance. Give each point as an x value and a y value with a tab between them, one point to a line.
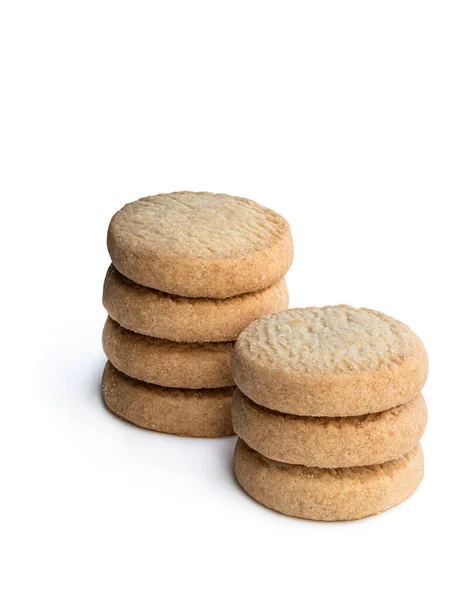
329	339
195	243
337	360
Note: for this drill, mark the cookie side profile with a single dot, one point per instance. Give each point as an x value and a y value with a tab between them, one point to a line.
328	494
190	413
166	363
162	315
333	361
198	244
329	442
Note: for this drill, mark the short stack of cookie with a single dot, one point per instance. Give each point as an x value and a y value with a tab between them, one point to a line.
189	272
329	412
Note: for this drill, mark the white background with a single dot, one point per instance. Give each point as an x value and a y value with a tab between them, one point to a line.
348	118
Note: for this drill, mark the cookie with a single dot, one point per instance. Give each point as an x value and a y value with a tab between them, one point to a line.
334	361
199	244
328	494
166	363
162	315
330	442
191	413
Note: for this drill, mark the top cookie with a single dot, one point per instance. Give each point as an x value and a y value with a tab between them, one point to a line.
333	361
200	244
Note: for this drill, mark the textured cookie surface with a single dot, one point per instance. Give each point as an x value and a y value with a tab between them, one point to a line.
330	442
191	413
328	494
162	315
199	244
166	363
331	361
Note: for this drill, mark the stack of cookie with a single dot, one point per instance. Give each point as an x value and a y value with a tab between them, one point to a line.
329	411
189	272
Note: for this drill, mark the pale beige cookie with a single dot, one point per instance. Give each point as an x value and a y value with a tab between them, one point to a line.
162	315
166	363
199	244
191	413
328	494
332	361
330	442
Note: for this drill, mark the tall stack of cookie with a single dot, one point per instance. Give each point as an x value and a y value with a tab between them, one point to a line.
329	411
189	272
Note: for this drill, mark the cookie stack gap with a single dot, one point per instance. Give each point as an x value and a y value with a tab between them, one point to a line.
329	411
190	270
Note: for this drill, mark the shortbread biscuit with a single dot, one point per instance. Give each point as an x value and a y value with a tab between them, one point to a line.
334	361
330	442
166	363
328	494
162	315
199	244
191	413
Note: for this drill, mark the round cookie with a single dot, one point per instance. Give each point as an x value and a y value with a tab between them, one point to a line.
191	413
334	361
199	244
330	442
328	494
166	363
162	315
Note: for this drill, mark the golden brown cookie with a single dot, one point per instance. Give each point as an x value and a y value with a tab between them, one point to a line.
166	363
330	442
162	315
199	244
333	361
328	494
191	413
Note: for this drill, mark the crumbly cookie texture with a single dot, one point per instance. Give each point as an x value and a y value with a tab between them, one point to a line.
180	319
330	442
331	361
328	494
190	413
199	244
166	363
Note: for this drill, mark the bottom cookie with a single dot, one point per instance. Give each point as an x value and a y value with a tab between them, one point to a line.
328	494
185	412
